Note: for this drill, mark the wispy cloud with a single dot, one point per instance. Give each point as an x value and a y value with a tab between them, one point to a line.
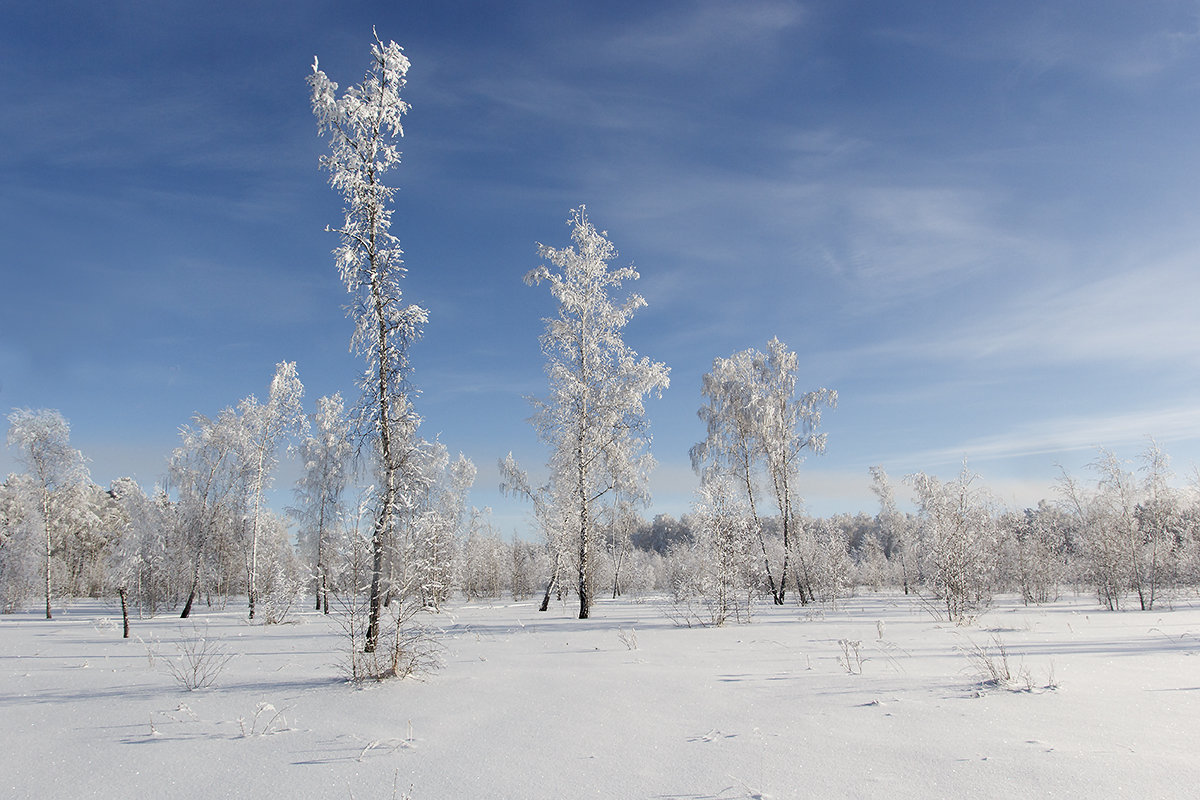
898	237
1136	314
1071	434
714	27
1117	44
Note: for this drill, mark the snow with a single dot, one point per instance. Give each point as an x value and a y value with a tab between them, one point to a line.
627	704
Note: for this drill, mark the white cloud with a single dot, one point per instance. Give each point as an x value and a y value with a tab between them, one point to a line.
1134	314
908	236
684	40
1116	45
1072	434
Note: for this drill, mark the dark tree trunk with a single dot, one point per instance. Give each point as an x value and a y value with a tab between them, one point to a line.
376	601
124	611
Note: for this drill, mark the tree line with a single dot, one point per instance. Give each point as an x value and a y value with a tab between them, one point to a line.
1124	533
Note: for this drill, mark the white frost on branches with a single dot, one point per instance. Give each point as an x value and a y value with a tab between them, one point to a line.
265	427
759	431
42	442
594	418
362	125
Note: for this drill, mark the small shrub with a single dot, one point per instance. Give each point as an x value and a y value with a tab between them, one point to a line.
851	658
199	661
405	646
991	665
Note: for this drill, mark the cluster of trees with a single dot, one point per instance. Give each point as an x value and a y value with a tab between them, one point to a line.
1127	534
206	532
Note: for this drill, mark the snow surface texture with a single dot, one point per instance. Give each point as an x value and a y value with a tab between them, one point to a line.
872	698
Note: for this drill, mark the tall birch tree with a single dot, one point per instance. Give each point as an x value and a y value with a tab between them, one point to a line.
362	125
594	418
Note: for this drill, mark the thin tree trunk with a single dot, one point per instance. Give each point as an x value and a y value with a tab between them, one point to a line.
255	530
762	542
187	607
387	507
376	599
124	611
585	591
320	576
553	582
49	545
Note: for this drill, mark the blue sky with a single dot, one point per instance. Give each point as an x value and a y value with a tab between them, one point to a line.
977	221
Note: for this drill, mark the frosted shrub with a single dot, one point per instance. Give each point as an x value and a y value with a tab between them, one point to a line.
959	543
280	593
394	644
725	572
199	661
404	646
823	560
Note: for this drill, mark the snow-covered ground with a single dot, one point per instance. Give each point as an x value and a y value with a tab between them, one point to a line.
874	697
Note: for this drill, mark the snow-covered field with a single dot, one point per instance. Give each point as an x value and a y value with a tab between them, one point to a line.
874	697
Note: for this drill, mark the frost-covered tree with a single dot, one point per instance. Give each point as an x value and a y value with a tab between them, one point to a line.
362	125
530	564
486	558
959	539
19	541
759	428
894	527
724	546
1034	551
1132	533
42	441
552	511
594	418
125	558
1161	523
265	427
281	581
325	455
620	522
208	472
437	519
823	550
136	560
82	536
